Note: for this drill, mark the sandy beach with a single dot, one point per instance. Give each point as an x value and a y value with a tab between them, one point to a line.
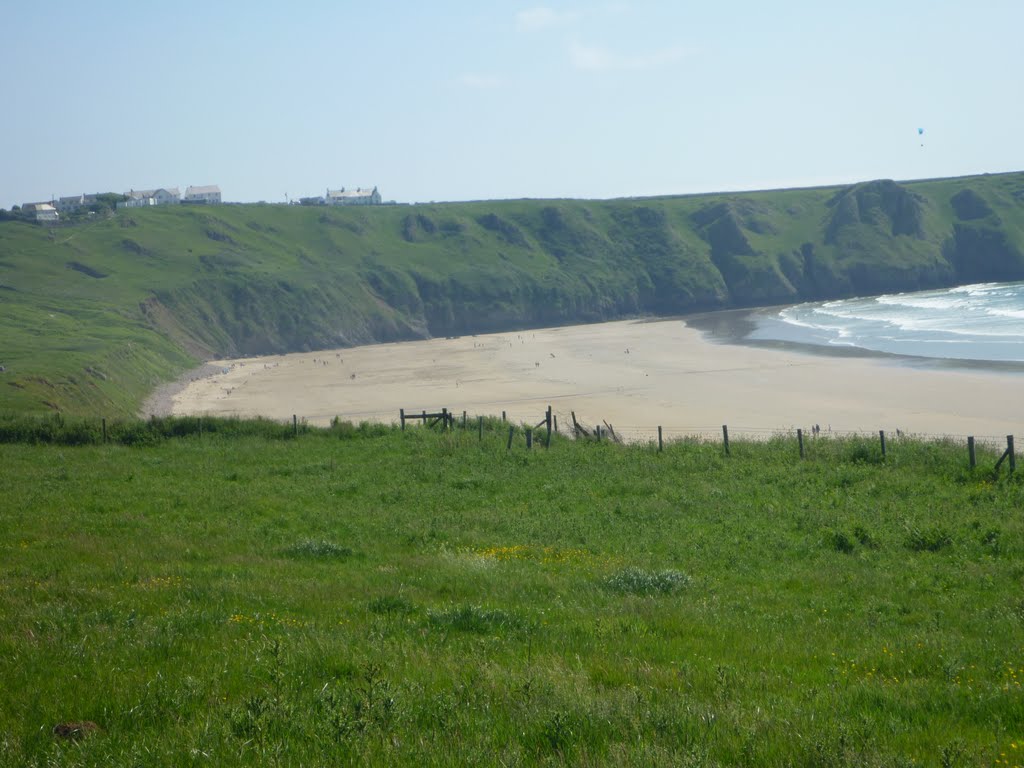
636	375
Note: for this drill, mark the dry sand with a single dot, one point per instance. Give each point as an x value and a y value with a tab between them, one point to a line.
635	375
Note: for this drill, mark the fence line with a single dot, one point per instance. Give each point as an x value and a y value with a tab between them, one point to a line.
562	424
81	433
655	435
645	433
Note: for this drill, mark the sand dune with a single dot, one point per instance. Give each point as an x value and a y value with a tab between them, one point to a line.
634	374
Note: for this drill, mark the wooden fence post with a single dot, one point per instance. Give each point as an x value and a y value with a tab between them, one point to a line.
881	438
401	415
597	431
104	431
529	438
547	418
511	431
970	451
463	419
556	422
800	440
725	438
444	419
1007	454
295	424
661	445
502	417
480	427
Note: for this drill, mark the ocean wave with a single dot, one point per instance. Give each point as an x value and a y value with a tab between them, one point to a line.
795	319
1014	313
926	302
854	312
982	321
983	289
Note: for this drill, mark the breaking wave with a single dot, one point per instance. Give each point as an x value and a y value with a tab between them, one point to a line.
971	322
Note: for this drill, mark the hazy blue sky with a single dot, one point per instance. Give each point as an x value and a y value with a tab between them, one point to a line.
468	100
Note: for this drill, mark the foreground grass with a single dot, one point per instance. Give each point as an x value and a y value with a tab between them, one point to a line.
422	599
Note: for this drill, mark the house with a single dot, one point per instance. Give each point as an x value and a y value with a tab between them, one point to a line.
357	196
209	195
74	203
139	198
134	201
40	211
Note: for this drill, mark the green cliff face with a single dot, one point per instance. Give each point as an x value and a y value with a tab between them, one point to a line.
94	315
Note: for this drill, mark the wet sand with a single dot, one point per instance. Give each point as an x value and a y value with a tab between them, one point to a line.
635	375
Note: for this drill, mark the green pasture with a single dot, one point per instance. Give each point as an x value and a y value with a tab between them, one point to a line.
366	596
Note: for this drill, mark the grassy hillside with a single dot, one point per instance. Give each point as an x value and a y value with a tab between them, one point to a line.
93	316
269	600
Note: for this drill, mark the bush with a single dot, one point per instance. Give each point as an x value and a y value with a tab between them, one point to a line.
842	543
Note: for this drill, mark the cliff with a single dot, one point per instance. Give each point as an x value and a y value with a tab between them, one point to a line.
94	316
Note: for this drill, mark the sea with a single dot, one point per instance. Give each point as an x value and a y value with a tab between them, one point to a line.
982	323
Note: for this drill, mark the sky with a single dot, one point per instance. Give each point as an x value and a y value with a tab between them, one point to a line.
449	101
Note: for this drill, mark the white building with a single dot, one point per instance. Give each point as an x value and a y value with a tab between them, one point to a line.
139	198
40	211
209	195
357	196
74	203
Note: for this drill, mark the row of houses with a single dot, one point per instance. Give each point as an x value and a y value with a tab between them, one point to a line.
357	196
206	195
136	198
140	198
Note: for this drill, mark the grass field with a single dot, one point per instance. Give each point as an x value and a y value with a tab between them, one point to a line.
363	596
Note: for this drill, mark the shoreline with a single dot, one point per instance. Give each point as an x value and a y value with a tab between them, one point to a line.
161	400
634	374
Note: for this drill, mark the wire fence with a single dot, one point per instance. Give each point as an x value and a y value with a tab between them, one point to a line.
805	438
658	435
641	433
631	433
84	431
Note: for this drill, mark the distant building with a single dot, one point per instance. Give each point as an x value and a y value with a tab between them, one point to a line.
40	211
209	195
357	196
140	198
74	203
